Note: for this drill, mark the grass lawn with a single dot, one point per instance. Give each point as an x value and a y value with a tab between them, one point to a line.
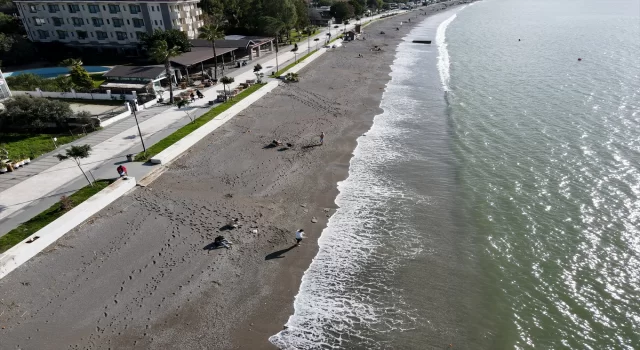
189	128
41	220
31	145
278	73
297	37
98	79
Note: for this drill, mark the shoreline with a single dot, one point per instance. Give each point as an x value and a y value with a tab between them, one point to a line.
141	274
270	319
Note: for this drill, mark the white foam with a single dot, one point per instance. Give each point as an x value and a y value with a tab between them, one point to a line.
444	64
338	305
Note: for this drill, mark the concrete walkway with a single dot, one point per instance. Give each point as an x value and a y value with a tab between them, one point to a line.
39	189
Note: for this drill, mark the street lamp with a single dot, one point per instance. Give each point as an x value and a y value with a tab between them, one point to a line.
135	116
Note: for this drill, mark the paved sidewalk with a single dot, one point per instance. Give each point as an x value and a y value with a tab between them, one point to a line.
51	179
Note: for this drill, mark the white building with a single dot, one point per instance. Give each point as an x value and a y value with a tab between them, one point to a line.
106	23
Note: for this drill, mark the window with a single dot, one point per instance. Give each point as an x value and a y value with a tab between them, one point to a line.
138	23
53	8
155	21
39	21
94	8
77	22
43	34
57	21
114	8
121	35
118	22
62	34
97	22
74	8
33	8
128	22
139	35
134	9
81	34
101	35
104	8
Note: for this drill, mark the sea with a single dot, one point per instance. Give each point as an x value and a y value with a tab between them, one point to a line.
495	202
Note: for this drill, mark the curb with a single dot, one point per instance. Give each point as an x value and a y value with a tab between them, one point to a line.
23	251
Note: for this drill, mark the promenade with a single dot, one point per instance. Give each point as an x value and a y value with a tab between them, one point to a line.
33	194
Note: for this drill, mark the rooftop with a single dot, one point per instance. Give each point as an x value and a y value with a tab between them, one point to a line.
199	54
142	72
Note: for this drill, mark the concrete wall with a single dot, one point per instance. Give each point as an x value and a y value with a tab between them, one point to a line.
74	94
22	252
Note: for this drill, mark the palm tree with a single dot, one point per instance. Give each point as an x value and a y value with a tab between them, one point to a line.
76	153
274	27
71	62
161	53
226	81
210	32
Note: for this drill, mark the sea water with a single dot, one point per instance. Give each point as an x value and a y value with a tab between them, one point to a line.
494	204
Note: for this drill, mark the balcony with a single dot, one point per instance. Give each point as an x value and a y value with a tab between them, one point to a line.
176	15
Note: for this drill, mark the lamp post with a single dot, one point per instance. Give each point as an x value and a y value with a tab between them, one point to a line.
135	116
308	40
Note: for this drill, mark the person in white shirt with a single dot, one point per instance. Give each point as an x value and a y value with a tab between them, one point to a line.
299	236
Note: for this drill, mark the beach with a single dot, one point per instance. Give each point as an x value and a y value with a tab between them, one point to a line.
142	274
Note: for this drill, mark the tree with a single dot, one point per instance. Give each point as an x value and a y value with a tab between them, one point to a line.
302	13
341	11
10	25
23	111
77	153
325	2
211	33
71	62
283	10
376	4
226	81
274	27
358	8
211	7
63	83
173	38
81	78
162	53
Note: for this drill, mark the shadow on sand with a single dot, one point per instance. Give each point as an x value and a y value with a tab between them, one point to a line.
278	254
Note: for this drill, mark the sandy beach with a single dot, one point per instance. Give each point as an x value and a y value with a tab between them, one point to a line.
141	274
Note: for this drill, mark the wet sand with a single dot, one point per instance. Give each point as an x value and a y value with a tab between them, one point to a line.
141	273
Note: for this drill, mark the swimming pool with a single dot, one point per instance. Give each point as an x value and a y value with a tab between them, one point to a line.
53	72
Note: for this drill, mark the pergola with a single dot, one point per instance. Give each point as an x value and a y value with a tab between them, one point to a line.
198	55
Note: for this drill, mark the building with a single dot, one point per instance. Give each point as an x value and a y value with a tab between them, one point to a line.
114	23
4	88
320	16
144	80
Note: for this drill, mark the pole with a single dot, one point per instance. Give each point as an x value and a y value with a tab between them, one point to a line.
308	41
277	67
144	148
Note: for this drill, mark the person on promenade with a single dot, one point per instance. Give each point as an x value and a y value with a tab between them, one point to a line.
299	237
122	171
193	97
322	138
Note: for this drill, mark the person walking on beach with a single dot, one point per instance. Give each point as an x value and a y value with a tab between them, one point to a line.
299	237
322	138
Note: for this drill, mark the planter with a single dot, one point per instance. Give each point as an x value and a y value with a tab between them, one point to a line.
27	161
20	163
3	170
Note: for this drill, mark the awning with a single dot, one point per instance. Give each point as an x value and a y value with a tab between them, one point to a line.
123	86
198	54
